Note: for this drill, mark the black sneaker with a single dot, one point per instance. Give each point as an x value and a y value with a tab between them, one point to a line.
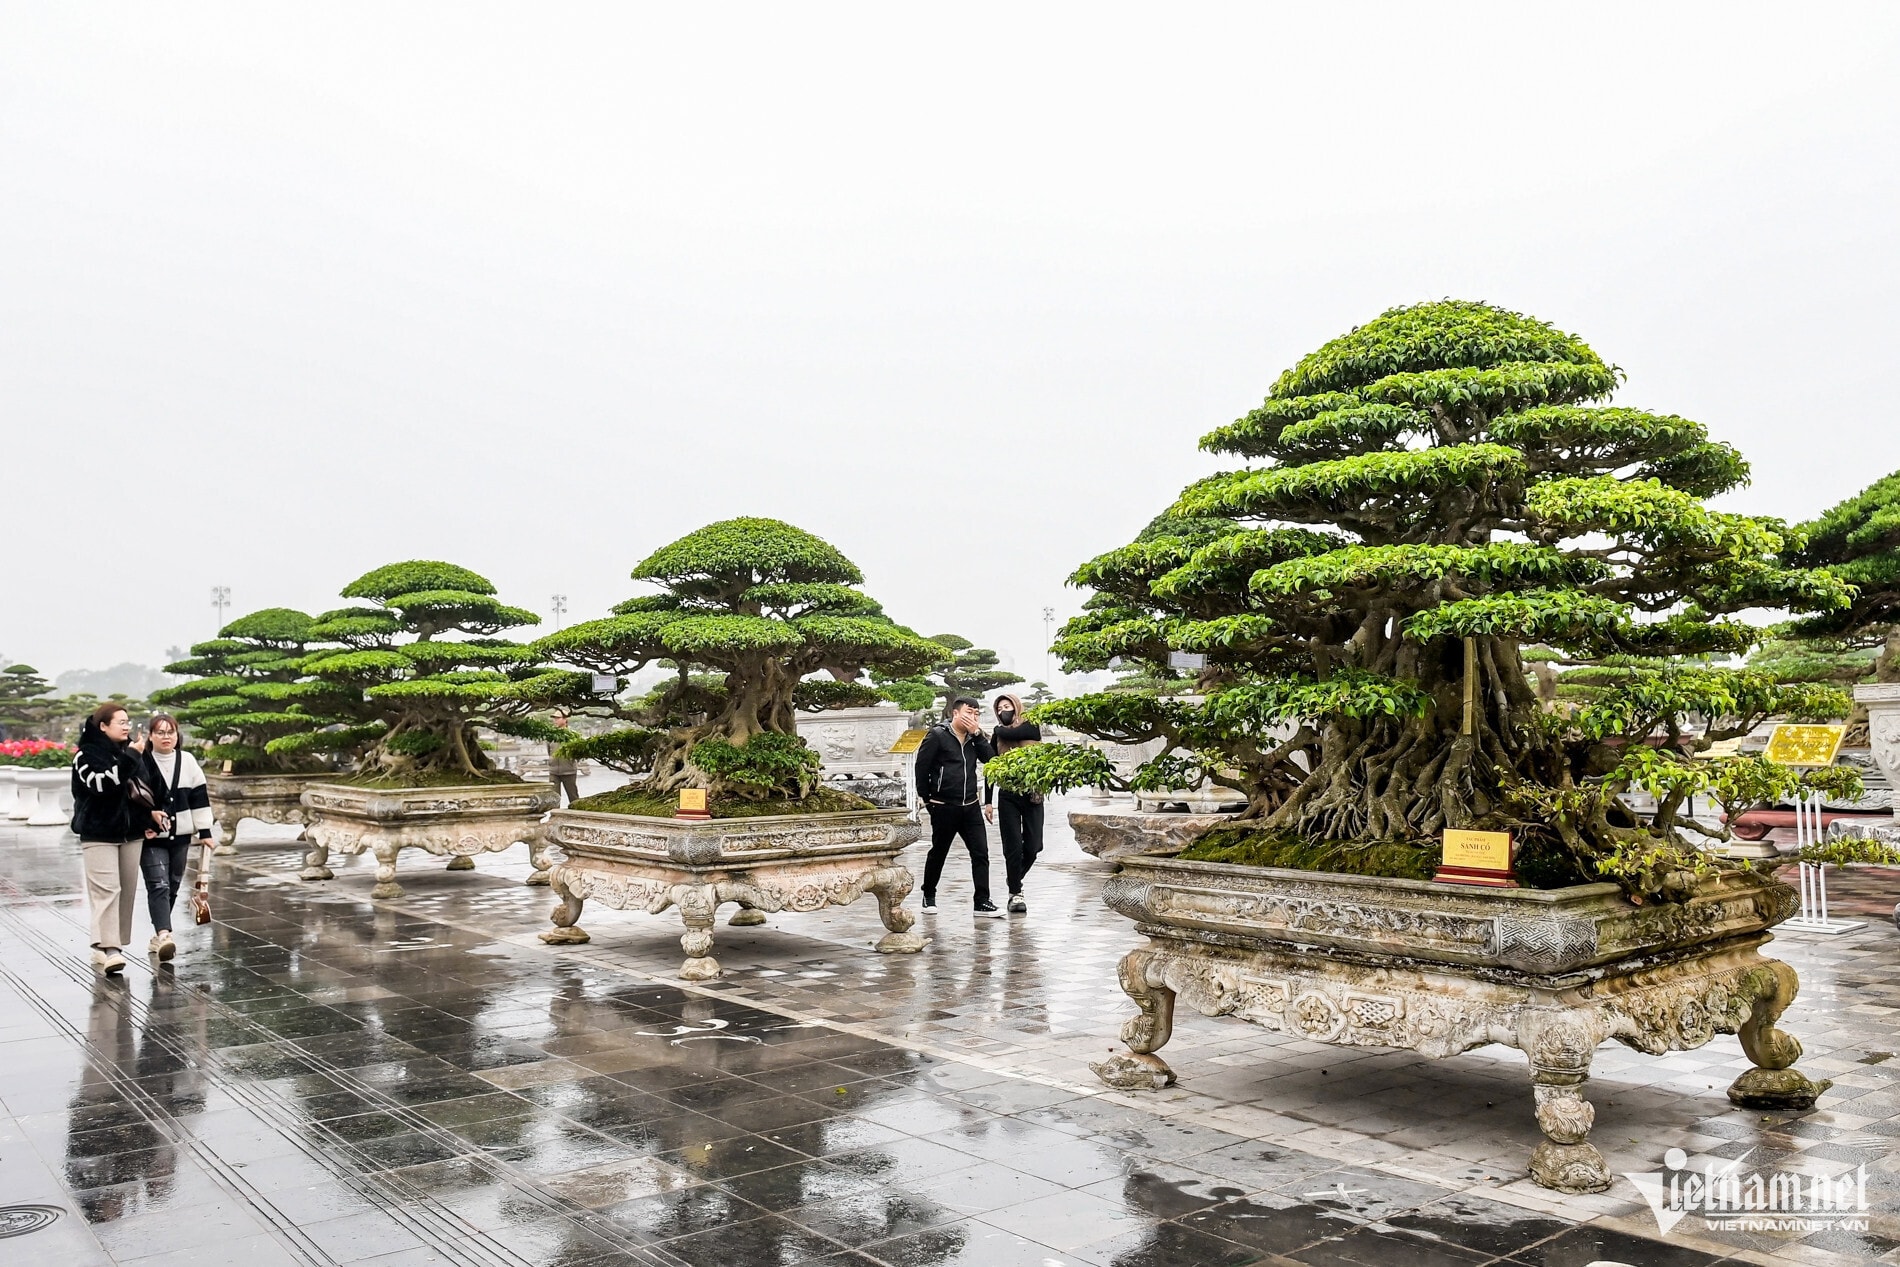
987	910
1017	906
930	905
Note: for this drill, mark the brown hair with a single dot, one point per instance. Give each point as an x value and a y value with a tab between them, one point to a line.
152	723
108	710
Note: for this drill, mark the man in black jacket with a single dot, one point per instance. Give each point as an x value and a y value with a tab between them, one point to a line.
948	763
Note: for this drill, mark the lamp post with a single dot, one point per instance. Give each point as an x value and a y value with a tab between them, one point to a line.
1048	621
560	609
220	599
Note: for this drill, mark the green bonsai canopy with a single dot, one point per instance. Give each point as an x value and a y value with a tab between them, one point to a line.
1441	488
1859	541
764	606
248	688
422	669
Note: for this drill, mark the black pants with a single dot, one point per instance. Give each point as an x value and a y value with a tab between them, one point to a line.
1020	821
947	822
567	783
163	862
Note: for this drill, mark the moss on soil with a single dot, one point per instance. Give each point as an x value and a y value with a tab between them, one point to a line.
431	780
1397	859
631	800
1537	866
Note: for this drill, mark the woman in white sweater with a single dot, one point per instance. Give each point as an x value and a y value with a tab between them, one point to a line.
165	857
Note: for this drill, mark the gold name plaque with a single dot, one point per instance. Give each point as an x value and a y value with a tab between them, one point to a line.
692	803
1804	745
1477	857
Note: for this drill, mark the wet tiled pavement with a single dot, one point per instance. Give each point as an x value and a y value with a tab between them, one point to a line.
320	1079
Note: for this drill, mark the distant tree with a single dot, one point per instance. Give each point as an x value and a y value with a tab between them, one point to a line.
23	708
764	608
1038	693
418	664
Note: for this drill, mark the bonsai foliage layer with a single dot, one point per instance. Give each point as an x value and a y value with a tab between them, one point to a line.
761	606
422	670
248	688
1435	492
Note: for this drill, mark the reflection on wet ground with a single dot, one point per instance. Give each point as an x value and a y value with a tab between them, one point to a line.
320	1080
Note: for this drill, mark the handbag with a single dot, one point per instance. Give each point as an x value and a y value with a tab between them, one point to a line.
201	892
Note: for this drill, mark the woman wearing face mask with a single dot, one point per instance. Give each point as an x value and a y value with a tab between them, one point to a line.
188	802
108	770
1021	811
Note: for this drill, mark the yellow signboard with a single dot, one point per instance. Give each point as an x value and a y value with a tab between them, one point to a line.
693	800
1804	745
1478	850
909	741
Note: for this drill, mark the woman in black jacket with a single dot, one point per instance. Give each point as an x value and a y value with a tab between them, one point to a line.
112	827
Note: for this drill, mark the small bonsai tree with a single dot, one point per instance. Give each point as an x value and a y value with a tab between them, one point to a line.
764	607
1443	488
247	687
24	710
421	671
973	672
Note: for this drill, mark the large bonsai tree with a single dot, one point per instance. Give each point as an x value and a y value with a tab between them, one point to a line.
1442	488
421	670
763	607
247	687
24	710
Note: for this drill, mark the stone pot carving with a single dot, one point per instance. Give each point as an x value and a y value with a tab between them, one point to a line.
452	822
1882	702
269	798
1438	969
795	862
1112	834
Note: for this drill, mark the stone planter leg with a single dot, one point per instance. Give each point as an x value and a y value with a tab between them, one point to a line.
746	917
1560	1045
699	904
1774	1083
539	858
226	832
1139	1069
385	886
892	885
567	930
461	862
316	863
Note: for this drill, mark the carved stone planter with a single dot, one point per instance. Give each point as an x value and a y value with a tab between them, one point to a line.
1439	969
45	797
269	798
1882	702
1113	834
452	822
802	862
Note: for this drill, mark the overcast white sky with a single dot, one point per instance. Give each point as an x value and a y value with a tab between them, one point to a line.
291	291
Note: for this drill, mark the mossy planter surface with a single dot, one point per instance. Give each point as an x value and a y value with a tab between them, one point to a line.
1439	969
452	822
268	798
794	862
